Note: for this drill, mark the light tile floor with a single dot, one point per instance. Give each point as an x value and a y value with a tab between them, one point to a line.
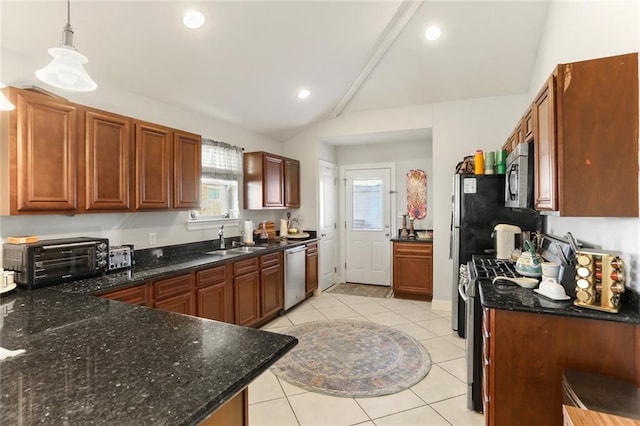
439	399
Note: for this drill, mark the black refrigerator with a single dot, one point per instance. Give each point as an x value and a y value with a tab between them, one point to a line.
478	206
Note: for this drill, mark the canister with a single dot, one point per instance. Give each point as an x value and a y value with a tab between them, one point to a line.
479	162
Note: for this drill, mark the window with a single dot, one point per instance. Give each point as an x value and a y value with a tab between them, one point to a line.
221	172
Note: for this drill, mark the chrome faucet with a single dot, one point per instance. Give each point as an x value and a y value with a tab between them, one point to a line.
221	235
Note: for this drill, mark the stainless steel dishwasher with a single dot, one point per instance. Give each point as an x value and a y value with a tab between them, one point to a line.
294	276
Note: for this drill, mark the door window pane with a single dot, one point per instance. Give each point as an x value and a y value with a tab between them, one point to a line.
368	200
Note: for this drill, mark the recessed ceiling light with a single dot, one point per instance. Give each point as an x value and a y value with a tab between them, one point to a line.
303	94
432	33
193	19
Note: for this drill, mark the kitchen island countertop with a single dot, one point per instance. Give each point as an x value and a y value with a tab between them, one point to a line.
515	298
95	361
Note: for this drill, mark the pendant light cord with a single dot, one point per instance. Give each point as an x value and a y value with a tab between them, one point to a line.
68	12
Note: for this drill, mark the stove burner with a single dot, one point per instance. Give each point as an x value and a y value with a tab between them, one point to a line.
489	268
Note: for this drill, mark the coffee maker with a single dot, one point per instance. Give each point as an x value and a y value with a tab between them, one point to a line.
505	237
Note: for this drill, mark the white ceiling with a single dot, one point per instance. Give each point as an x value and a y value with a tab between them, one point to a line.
246	64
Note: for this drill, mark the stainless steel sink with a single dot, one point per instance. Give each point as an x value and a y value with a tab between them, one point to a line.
246	249
235	251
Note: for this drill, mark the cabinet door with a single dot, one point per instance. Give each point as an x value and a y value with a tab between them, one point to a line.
273	189
138	295
153	147
292	183
544	136
181	304
211	303
186	170
412	270
311	270
527	125
246	293
107	160
272	289
44	153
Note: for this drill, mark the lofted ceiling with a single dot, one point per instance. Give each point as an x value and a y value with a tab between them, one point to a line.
248	61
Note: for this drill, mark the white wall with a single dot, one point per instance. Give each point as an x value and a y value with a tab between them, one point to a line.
459	128
406	156
578	31
170	227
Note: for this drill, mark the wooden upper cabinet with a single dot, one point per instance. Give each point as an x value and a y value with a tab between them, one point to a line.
107	147
187	170
586	139
291	183
270	181
273	181
42	154
153	155
545	147
527	125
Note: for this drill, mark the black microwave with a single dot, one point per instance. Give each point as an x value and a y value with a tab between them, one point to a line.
56	261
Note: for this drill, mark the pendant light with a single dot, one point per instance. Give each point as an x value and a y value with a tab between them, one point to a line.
5	105
65	71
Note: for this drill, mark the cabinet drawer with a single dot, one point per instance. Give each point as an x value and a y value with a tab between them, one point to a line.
174	285
415	249
135	295
269	260
245	266
211	276
312	248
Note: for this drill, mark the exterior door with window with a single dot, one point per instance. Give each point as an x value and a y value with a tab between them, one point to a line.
368	214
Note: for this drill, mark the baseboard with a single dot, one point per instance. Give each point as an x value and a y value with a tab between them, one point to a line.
441	305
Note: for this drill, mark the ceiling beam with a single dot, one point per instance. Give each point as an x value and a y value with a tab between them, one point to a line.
395	26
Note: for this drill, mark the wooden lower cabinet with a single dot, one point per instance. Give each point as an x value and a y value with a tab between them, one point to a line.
175	294
246	293
271	284
526	354
214	293
413	270
311	270
234	412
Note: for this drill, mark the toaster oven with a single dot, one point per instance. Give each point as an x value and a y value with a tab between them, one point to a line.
56	261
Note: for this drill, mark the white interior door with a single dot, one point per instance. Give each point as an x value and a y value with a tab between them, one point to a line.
367	214
328	223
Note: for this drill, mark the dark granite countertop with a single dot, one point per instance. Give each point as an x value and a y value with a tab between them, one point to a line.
190	257
95	361
515	298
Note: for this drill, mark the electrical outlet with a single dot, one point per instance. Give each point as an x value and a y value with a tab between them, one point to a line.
152	238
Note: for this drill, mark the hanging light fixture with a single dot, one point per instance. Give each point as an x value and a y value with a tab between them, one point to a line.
5	105
65	71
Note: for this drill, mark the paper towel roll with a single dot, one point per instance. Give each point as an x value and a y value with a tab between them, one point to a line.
248	231
284	227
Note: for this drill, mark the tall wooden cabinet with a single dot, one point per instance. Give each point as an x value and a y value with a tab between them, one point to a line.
43	146
586	139
270	181
413	270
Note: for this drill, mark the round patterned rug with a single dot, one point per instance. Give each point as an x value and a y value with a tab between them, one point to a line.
352	359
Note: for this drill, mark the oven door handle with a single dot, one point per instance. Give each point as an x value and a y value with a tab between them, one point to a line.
462	290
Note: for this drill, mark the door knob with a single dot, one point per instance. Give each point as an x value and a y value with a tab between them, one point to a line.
323	235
